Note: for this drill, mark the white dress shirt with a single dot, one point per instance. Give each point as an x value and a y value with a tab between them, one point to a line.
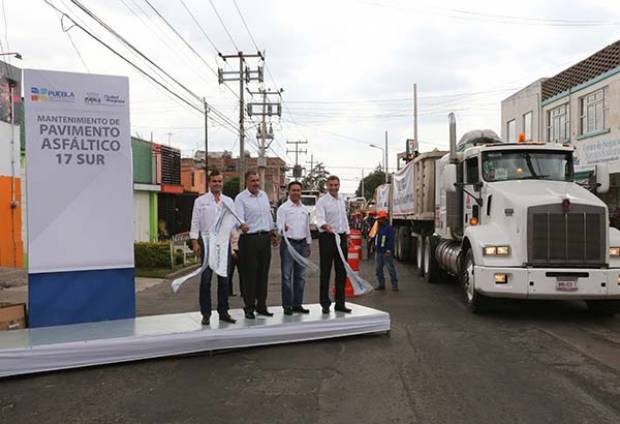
331	210
206	212
296	218
255	211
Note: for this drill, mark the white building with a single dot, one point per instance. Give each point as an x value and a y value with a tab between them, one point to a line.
578	106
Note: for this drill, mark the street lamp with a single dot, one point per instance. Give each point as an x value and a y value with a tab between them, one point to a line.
14	54
382	156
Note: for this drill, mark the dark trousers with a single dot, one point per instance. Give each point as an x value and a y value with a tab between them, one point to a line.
328	255
205	290
293	280
255	258
233	262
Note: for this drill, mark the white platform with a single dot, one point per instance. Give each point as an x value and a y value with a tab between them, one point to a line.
81	345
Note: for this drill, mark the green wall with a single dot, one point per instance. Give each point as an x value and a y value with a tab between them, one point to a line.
142	161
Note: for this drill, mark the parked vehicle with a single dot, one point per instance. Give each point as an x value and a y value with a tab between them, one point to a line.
309	199
509	221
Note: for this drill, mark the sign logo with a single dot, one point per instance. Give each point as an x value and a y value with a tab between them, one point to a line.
43	94
113	99
92	99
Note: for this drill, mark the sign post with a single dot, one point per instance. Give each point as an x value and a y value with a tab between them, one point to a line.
79	193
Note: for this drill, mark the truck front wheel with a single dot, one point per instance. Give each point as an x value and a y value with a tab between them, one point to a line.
420	255
474	301
432	272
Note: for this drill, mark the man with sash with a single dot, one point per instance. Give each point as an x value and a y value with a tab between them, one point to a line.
205	214
333	225
293	223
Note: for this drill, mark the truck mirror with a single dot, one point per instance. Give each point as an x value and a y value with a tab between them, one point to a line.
449	178
602	178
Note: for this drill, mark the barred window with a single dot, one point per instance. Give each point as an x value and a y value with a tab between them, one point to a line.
527	126
558	124
511	131
593	112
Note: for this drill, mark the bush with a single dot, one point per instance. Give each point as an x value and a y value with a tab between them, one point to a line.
152	255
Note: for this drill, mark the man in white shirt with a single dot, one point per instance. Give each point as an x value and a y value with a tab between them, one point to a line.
293	222
207	209
253	208
332	218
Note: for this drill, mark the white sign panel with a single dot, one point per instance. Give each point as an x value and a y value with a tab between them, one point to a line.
79	171
383	198
403	196
588	153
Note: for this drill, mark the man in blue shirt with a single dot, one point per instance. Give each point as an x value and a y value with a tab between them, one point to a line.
384	247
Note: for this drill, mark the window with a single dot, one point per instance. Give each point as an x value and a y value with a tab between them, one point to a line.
558	125
592	111
193	179
511	131
527	165
527	126
471	166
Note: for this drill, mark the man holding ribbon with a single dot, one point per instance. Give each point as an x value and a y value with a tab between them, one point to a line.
293	222
334	227
205	214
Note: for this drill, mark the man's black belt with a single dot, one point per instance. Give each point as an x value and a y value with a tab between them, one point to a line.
296	240
258	233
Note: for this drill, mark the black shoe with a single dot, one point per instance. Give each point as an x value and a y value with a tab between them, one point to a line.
249	315
227	318
301	310
343	309
380	288
264	312
288	311
395	288
232	294
205	320
326	309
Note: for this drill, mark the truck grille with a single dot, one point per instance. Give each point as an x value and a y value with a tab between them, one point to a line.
576	238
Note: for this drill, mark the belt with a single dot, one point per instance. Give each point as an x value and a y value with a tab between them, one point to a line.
258	233
296	240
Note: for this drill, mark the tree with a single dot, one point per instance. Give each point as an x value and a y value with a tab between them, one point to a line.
231	187
315	179
371	182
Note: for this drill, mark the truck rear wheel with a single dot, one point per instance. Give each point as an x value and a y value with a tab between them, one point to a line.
420	255
404	244
475	302
397	245
603	307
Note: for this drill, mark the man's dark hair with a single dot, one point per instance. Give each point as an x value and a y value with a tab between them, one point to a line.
292	183
214	173
332	178
249	173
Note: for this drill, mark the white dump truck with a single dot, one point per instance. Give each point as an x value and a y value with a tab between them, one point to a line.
509	221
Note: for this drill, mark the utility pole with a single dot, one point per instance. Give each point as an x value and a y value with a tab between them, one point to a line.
206	110
386	156
311	163
297	151
363	188
268	109
415	115
244	74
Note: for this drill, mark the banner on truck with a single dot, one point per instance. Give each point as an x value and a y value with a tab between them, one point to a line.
403	195
79	196
382	197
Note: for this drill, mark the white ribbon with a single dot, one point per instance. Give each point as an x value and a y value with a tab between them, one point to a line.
301	260
360	286
215	246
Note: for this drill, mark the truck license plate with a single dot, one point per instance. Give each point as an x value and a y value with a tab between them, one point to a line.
566	284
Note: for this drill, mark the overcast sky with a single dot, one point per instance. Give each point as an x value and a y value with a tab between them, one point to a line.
347	66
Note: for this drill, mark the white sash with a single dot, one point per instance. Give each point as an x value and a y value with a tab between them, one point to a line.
360	286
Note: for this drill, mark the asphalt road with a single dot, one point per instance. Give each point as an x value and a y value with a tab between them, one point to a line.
523	362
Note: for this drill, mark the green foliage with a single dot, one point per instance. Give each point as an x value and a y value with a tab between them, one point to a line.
371	182
152	255
231	187
315	179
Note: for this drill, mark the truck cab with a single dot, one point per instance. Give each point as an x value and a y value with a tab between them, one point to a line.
512	222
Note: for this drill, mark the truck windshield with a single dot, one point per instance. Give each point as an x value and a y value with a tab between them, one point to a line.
527	165
308	201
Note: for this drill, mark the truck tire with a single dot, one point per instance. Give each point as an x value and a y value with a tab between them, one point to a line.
475	302
420	255
397	248
432	272
603	307
404	243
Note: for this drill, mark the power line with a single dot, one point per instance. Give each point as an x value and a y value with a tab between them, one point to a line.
246	25
77	51
223	25
200	27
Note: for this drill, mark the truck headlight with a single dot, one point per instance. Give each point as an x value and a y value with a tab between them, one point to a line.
614	251
503	250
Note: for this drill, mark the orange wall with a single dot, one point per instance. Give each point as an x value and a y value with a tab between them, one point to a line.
11	248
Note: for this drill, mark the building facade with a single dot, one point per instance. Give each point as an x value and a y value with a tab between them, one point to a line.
579	106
